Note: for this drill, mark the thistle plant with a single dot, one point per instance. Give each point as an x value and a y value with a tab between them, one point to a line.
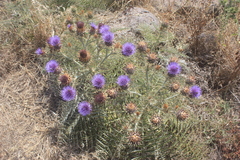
113	93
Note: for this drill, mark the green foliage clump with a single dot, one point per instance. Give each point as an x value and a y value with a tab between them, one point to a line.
150	118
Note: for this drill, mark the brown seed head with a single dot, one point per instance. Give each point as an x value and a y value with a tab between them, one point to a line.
129	68
100	98
175	87
134	138
185	91
131	108
112	93
65	79
142	46
165	106
190	80
84	56
89	14
156	120
152	57
157	67
118	45
182	115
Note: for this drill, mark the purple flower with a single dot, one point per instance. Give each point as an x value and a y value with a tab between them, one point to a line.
68	93
69	25
52	66
173	69
39	51
108	38
93	25
98	81
128	49
104	29
195	91
54	41
84	108
123	81
93	28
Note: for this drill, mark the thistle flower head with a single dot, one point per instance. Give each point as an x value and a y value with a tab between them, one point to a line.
65	79
142	46
108	38
134	138
129	68
195	91
185	91
84	56
98	81
93	28
52	66
173	69
104	29
80	24
54	42
128	49
131	108
100	98
190	80
155	120
175	87
123	81
182	115
112	93
39	51
84	108
70	27
68	93
152	58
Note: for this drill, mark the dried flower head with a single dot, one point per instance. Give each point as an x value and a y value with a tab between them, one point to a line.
129	68
112	93
128	49
39	51
185	91
175	87
65	79
52	66
155	120
152	57
89	14
54	42
165	106
134	138
173	69
84	108
131	108
142	46
118	45
190	80
68	93
108	38
195	91
157	67
173	59
123	81
182	115
100	98
84	56
98	81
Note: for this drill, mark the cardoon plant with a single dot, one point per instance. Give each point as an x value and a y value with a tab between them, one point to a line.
119	113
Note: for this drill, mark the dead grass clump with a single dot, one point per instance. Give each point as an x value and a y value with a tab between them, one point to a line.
227	72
